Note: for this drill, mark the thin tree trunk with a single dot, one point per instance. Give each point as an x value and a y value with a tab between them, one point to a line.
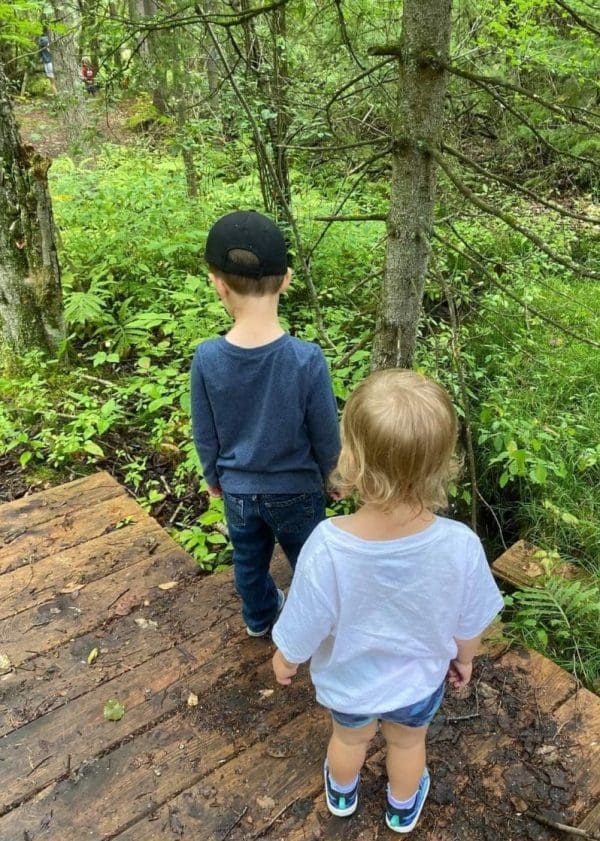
31	311
421	94
65	58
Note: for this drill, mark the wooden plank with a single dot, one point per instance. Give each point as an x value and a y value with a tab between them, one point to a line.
63	618
71	528
591	822
34	584
34	755
244	782
46	505
520	566
112	792
50	681
578	720
550	685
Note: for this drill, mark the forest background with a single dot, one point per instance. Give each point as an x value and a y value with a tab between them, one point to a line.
435	170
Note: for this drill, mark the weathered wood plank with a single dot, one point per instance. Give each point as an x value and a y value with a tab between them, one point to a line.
110	793
520	566
578	718
150	692
30	585
591	822
71	528
50	681
63	618
244	782
550	685
46	505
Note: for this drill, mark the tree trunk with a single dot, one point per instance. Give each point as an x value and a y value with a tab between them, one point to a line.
421	94
31	311
65	58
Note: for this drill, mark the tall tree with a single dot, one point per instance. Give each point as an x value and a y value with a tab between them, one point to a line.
65	56
422	54
31	311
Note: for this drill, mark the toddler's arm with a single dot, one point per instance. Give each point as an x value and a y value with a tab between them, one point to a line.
284	670
461	667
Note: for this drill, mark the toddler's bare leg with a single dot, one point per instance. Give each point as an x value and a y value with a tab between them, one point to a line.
405	759
347	750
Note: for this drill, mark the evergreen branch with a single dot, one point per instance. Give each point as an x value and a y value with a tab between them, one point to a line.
519	115
585	24
509	294
509	182
509	220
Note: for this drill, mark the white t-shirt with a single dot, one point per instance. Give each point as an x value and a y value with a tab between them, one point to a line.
379	617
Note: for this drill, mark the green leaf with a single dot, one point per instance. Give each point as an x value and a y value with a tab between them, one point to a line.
93	449
25	458
113	710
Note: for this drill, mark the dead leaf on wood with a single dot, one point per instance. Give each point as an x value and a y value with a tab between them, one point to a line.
278	749
533	570
267	803
5	664
192	700
92	656
175	824
265	693
71	588
519	804
167	585
145	623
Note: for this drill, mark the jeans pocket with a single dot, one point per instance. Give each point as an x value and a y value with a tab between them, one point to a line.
234	510
290	514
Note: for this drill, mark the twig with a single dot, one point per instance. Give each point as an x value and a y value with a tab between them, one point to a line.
275	817
563	827
114	601
35	767
346	357
173	516
234	824
372	217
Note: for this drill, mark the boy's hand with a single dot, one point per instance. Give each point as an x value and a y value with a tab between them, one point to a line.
214	490
459	674
336	494
284	671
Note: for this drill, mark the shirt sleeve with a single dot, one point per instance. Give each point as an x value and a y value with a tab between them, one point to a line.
308	616
482	599
206	439
322	418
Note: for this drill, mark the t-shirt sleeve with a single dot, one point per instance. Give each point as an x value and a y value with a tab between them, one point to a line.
203	424
322	418
308	615
482	599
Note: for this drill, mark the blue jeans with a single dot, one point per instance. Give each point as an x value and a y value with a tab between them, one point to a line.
415	715
255	522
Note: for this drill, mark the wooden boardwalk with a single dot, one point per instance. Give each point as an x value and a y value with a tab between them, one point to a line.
209	748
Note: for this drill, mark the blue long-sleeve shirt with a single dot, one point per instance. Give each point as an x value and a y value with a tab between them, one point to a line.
265	418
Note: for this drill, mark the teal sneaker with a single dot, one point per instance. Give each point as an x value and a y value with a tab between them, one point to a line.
405	820
340	804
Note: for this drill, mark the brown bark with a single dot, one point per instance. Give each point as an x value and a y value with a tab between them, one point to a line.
66	61
31	311
421	94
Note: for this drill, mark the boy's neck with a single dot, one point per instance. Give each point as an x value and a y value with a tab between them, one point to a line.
372	523
256	321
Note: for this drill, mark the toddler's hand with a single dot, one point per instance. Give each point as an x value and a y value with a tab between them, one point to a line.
214	490
459	674
336	494
284	671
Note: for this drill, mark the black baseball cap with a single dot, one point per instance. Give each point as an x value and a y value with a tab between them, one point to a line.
249	231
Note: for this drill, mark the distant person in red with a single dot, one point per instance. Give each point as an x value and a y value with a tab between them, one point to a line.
88	77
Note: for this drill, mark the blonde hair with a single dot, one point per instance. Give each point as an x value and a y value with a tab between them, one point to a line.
399	432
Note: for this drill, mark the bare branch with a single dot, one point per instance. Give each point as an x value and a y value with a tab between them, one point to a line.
356	79
585	24
510	220
509	294
374	217
509	182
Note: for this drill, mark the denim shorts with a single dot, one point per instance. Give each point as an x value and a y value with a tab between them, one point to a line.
415	715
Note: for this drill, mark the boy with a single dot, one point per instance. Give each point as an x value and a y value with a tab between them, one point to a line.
263	413
390	600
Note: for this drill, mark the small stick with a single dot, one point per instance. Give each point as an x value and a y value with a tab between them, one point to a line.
114	601
275	817
563	827
462	717
234	824
35	767
173	516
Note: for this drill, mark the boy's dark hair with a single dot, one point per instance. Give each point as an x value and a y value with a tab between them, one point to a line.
241	282
248	252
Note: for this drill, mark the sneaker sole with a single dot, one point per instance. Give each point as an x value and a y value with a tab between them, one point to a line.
342	813
403	830
280	604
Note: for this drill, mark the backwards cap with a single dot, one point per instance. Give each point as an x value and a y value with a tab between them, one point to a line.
249	231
